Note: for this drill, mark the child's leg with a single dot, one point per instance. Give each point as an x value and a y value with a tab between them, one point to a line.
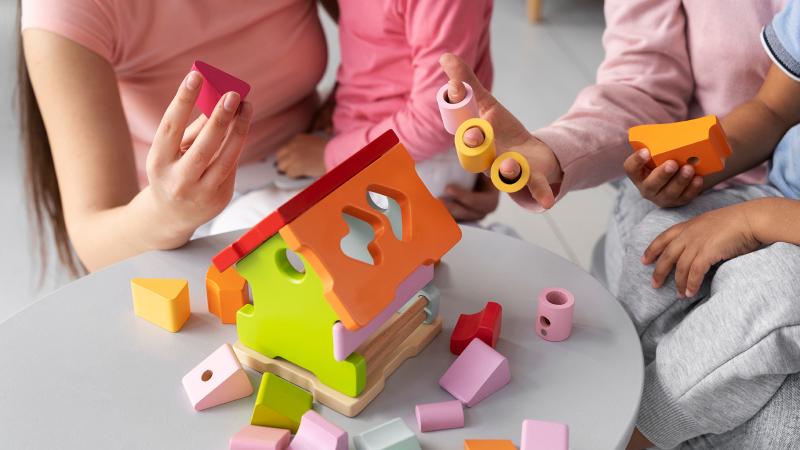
776	426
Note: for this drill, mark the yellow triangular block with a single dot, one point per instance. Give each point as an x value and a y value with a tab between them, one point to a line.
163	301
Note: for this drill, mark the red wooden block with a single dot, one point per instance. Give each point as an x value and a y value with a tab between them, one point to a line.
306	199
484	325
216	83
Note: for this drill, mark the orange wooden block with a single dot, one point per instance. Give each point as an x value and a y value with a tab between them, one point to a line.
356	290
226	292
699	142
488	444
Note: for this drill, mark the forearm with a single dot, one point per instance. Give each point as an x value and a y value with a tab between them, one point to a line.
105	236
774	220
753	131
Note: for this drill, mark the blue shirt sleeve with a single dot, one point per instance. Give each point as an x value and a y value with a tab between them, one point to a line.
781	39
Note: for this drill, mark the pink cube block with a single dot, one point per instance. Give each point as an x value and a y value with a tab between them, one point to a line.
554	314
253	437
440	416
316	433
454	114
539	435
218	379
477	373
215	84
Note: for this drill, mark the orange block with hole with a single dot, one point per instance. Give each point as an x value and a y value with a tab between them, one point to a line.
226	293
356	290
488	444
699	142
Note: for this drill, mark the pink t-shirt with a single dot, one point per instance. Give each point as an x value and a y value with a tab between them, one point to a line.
666	60
390	70
277	46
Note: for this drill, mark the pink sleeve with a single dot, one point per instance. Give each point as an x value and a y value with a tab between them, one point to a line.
646	77
86	22
433	27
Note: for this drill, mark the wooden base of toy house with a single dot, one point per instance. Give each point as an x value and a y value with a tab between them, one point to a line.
402	337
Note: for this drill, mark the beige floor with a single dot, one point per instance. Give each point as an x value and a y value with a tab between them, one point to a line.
539	70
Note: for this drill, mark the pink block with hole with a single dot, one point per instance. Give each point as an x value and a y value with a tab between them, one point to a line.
539	435
253	437
218	379
440	416
454	114
554	314
477	373
345	341
216	83
316	433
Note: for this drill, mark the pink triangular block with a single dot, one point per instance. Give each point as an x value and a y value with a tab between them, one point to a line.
215	84
477	373
316	433
252	437
218	379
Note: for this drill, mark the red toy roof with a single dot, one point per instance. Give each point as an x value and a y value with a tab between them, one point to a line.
304	200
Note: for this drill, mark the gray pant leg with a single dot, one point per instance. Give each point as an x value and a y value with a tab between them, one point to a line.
775	427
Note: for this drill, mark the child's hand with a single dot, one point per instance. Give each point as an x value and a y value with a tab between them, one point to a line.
303	156
692	247
510	134
191	170
666	185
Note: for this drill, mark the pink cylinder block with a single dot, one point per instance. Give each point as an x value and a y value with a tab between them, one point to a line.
454	114
554	314
440	416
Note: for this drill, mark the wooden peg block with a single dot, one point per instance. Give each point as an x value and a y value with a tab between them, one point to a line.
218	379
440	416
539	435
478	373
162	301
484	325
392	435
226	293
252	437
699	142
280	404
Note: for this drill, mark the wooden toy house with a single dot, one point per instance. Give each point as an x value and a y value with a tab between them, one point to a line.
336	273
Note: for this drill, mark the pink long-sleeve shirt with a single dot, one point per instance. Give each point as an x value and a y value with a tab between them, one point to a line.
390	71
666	60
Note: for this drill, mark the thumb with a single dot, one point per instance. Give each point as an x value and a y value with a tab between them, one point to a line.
456	69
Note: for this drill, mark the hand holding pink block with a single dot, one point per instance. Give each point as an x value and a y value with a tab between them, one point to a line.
554	314
218	379
215	84
316	433
477	373
252	437
454	114
539	435
440	416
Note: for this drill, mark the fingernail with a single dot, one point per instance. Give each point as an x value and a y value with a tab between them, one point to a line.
687	171
231	101
654	284
193	80
670	167
690	293
644	154
643	259
473	137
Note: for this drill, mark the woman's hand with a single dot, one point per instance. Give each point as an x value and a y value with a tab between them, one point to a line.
667	185
692	247
191	170
303	156
467	205
510	134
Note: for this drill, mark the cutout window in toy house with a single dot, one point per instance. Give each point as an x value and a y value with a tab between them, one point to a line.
356	244
390	208
290	264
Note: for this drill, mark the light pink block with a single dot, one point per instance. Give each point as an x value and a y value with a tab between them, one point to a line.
252	437
345	342
440	416
216	83
538	435
554	314
316	433
454	114
477	373
218	379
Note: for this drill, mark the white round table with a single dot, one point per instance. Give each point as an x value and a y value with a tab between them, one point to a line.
80	371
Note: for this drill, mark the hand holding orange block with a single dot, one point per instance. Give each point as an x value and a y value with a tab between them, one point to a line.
226	292
699	142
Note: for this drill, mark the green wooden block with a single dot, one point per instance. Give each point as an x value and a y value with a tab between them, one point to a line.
291	319
392	435
280	404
